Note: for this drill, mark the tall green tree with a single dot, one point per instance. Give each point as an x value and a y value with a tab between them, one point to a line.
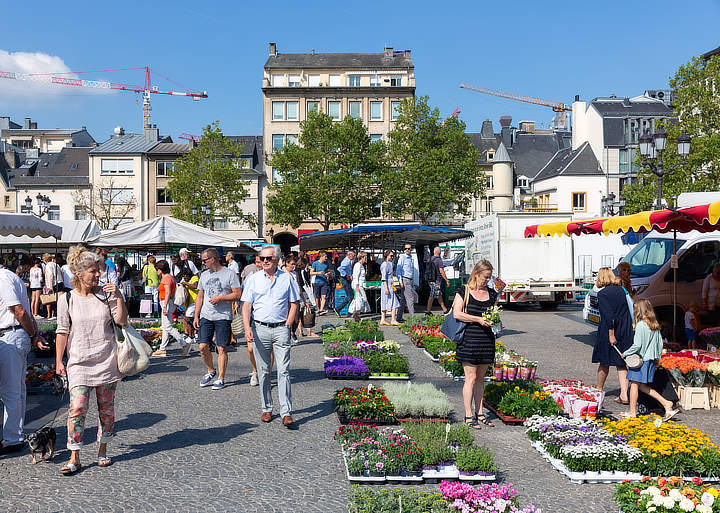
329	177
210	174
435	166
697	105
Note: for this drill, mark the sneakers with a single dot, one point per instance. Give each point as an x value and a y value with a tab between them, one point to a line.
254	379
207	378
159	352
293	337
218	385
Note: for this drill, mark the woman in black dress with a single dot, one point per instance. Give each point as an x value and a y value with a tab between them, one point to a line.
615	329
477	349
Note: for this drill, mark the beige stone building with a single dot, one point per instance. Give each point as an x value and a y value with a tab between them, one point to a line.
368	86
45	140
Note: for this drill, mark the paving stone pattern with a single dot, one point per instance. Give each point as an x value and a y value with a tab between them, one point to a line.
183	448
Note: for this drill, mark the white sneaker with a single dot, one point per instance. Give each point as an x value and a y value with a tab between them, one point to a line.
218	385
254	379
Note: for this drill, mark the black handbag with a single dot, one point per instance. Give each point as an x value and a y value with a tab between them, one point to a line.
452	328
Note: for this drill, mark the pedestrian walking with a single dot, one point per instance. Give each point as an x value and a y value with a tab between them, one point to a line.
231	263
166	291
307	296
406	274
217	289
320	271
435	275
360	303
271	298
251	268
345	271
389	302
190	281
53	280
36	281
477	349
692	324
151	281
186	262
17	332
125	279
85	332
647	343
108	271
614	329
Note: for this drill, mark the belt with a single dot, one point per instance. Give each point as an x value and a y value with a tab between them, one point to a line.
271	324
10	328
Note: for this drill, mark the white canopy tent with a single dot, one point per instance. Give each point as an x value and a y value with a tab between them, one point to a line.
163	232
28	225
73	232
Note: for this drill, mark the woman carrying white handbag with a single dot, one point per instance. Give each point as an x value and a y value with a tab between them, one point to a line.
86	331
360	303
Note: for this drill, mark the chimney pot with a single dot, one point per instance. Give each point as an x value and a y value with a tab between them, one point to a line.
273	49
27	125
389	51
577	97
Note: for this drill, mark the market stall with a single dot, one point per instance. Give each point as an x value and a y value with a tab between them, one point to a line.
73	232
19	225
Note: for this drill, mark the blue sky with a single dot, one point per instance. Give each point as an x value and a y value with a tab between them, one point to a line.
550	50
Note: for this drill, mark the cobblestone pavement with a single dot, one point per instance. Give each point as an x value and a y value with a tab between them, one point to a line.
182	448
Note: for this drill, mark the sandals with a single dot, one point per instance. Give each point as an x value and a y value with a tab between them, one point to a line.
626	415
104	461
670	414
383	323
70	469
473	422
482	418
620	401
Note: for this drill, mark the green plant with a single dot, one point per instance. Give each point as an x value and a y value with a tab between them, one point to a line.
362	403
450	364
495	391
460	434
377	361
418	400
475	459
435	344
520	403
364	330
367	500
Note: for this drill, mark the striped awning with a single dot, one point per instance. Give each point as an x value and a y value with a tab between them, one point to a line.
702	218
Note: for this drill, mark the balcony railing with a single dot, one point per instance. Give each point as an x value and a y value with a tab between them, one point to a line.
543	209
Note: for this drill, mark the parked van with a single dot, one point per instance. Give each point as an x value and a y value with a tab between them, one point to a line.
652	276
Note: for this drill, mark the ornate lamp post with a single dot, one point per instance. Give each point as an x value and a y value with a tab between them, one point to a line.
205	213
43	204
652	148
609	204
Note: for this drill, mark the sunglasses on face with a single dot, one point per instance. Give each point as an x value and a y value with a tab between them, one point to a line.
203	260
265	258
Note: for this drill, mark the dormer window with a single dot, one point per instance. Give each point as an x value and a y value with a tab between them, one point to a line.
490	155
522	182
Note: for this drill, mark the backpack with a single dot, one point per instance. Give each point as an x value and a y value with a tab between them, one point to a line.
431	274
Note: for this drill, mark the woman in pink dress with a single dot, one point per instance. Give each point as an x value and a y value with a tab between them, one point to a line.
85	331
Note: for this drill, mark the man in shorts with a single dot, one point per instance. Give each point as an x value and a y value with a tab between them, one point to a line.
436	284
217	289
320	269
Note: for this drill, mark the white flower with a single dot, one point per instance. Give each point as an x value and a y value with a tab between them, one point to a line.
651	490
651	508
686	504
676	495
702	508
667	502
707	499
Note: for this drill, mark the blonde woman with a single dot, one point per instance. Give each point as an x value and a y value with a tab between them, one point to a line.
615	329
389	302
52	280
85	331
477	349
359	303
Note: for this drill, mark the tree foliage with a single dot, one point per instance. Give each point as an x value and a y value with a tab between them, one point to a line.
107	203
696	92
329	176
435	167
210	174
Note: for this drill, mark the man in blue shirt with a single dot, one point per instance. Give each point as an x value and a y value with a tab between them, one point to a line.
320	271
271	296
345	271
405	272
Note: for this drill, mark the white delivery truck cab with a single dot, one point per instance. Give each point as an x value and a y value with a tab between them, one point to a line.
539	269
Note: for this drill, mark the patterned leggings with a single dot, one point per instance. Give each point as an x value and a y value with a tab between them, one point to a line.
79	399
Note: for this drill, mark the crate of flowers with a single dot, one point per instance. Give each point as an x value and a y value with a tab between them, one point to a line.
39	374
665	495
685	371
366	404
450	365
513	402
346	367
713	373
418	401
510	365
384	365
575	397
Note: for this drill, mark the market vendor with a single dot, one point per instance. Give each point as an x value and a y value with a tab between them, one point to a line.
17	331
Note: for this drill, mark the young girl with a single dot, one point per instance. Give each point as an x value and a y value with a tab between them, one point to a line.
648	344
691	324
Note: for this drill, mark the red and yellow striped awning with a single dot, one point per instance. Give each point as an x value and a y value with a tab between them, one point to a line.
703	218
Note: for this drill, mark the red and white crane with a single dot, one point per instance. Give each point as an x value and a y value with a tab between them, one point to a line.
558	107
145	90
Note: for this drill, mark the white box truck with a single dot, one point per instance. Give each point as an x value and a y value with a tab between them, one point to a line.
539	269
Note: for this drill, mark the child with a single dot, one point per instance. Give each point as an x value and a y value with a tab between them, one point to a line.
648	344
691	324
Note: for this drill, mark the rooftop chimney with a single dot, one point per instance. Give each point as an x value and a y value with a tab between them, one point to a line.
527	126
118	131
389	51
407	54
28	124
487	130
577	97
4	122
152	134
505	121
33	125
273	50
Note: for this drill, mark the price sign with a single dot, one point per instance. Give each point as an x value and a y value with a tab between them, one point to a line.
673	262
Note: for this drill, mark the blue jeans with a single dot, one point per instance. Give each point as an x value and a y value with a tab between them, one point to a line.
14	348
349	293
277	340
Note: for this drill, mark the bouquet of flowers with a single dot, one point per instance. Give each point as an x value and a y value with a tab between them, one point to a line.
492	314
687	372
713	372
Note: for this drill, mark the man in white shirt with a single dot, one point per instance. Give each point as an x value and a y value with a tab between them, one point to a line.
185	260
271	296
231	263
405	271
17	332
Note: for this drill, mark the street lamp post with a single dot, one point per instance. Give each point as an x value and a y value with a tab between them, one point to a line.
205	213
652	148
43	204
609	204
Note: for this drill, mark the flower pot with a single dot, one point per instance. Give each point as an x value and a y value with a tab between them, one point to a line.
413	473
524	372
354	473
504	372
512	373
497	372
384	374
374	373
532	373
394	374
375	473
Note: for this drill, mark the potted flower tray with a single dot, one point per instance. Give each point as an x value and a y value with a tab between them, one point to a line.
361	478
388	375
442	472
344	419
444	420
430	356
481	476
347	376
507	419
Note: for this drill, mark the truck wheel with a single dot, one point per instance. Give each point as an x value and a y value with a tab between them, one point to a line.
549	305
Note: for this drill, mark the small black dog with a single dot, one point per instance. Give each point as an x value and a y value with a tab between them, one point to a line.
42	441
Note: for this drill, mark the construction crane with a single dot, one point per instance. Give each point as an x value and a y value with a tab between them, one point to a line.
455	114
558	107
189	137
145	90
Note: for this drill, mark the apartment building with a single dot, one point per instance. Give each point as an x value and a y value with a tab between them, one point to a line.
367	86
29	136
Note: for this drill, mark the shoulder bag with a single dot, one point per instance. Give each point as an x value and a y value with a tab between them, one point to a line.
452	328
308	317
632	361
181	295
132	350
237	326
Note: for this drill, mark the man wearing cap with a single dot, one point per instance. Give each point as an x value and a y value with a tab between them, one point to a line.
17	332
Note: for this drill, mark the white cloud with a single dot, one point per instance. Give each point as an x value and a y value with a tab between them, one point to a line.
38	91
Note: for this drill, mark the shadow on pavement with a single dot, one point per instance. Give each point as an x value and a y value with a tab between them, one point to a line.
158	368
185	438
316	411
506	332
587	338
305	375
139	421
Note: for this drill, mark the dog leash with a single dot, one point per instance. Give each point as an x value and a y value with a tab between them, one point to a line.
57	410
